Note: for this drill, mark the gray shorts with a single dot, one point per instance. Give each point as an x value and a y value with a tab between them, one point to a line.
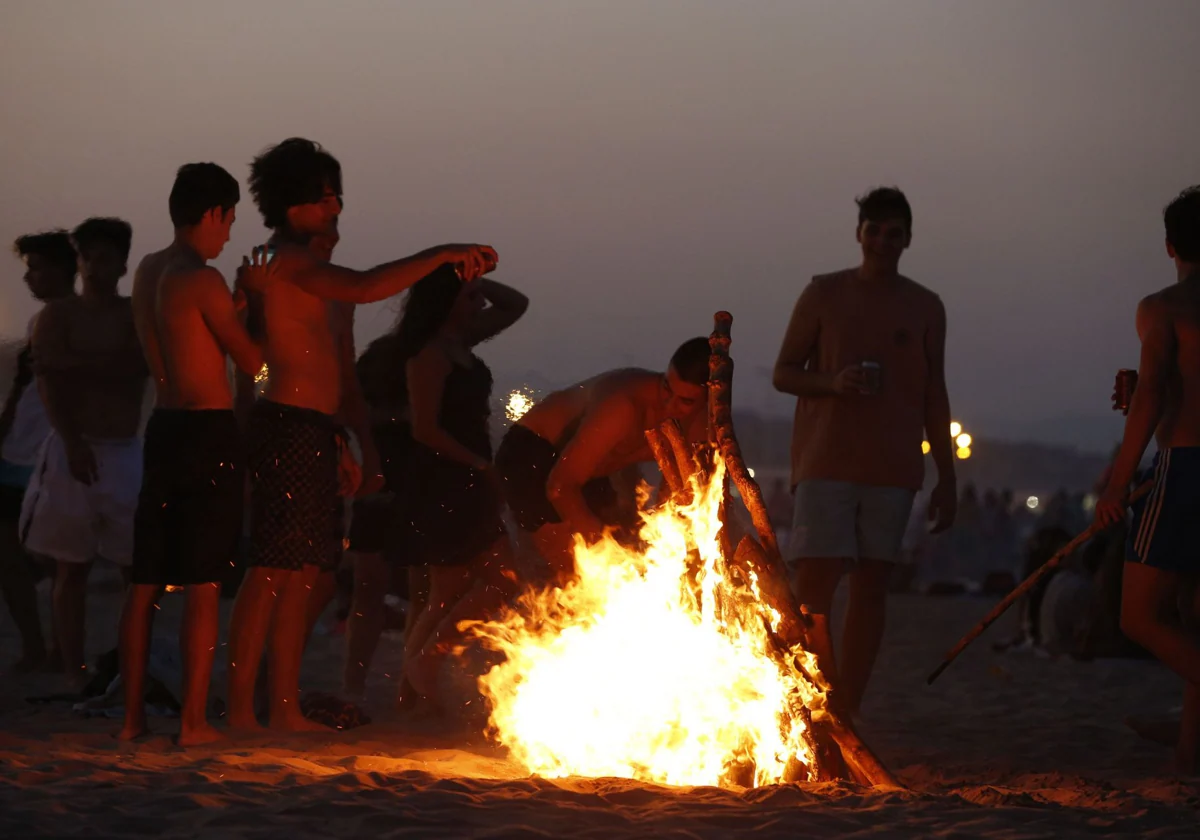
843	519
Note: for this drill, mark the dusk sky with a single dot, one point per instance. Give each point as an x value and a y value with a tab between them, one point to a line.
639	165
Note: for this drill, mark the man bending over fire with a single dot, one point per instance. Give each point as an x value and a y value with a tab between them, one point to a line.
556	461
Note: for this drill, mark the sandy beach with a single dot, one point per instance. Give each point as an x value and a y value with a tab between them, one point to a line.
1003	746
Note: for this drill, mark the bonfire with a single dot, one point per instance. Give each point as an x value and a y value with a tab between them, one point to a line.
681	659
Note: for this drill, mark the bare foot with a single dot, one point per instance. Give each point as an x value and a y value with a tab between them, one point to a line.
1163	729
133	731
193	736
296	723
247	725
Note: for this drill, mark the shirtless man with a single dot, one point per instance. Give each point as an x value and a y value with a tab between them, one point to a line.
50	263
556	461
1163	549
92	378
856	441
189	515
293	434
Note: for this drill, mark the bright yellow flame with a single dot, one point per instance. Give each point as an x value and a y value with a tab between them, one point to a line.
925	447
653	665
964	441
963	453
262	376
955	429
518	404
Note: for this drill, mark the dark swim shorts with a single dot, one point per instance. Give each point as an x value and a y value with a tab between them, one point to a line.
296	517
189	514
524	460
1165	532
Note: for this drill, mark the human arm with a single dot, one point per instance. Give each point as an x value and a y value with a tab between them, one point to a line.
1145	408
223	320
506	306
21	380
792	374
600	431
56	380
943	501
353	411
333	282
426	374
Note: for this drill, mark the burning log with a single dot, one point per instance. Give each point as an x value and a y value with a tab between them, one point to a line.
685	457
720	417
665	460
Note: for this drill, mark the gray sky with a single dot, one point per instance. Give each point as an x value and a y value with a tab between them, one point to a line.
641	164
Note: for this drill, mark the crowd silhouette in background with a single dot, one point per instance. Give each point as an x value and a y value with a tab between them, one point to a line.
280	464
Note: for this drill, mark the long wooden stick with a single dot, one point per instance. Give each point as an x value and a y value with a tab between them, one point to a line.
665	460
720	403
1050	565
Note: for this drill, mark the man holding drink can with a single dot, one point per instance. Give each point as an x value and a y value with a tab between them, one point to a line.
864	355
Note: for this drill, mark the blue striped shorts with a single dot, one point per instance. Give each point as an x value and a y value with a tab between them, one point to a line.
1165	532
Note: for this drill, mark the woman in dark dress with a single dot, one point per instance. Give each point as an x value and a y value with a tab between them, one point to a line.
445	511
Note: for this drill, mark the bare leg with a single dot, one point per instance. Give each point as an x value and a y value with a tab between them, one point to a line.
20	595
418	599
252	612
863	631
137	623
289	628
70	612
365	623
198	645
814	580
447	585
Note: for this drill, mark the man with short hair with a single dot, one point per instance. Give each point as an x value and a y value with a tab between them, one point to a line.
92	377
296	442
864	353
557	460
1162	559
189	514
50	262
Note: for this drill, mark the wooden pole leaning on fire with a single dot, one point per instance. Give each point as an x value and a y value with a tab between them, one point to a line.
1029	583
677	459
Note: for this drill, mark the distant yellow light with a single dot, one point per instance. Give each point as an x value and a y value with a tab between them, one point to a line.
1032	502
925	447
518	404
963	441
963	453
955	429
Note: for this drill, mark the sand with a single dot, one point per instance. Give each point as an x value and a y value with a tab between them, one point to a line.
1003	746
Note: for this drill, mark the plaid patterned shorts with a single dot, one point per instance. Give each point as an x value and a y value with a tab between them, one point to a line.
296	516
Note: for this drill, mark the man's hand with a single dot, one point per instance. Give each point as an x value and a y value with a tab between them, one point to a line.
471	261
81	461
349	472
1111	506
257	271
943	505
851	380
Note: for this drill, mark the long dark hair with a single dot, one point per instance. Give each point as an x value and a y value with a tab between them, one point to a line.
427	307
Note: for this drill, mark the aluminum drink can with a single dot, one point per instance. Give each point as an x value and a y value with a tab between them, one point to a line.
1123	389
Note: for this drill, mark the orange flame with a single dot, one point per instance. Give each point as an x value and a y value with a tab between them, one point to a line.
655	664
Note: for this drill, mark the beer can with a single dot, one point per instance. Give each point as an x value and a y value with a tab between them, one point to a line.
874	376
1123	390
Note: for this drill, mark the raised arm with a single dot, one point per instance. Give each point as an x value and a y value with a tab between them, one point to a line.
426	374
600	431
944	500
792	373
333	282
1145	408
505	307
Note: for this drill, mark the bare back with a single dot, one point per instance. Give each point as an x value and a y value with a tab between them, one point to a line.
557	418
173	291
299	336
1180	423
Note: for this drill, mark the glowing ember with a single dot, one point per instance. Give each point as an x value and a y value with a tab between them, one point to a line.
518	403
263	375
654	665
